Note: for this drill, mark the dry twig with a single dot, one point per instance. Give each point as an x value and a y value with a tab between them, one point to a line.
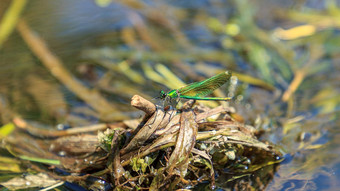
54	64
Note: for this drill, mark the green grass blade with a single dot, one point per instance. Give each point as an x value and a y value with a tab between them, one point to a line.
41	160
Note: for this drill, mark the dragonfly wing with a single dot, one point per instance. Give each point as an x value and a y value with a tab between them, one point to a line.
205	87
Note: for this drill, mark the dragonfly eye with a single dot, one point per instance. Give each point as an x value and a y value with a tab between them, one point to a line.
162	94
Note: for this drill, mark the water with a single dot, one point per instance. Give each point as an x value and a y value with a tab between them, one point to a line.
183	37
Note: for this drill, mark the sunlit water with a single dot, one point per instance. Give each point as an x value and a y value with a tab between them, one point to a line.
306	129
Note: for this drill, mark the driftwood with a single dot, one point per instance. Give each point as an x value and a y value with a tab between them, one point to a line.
188	143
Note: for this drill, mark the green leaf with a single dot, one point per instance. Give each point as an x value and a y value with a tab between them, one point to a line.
6	129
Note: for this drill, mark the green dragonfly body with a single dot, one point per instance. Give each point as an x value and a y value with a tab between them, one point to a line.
198	90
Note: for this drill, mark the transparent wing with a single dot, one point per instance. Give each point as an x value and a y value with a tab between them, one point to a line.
205	87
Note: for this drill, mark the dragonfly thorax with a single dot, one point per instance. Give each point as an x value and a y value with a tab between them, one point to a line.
173	93
170	99
197	90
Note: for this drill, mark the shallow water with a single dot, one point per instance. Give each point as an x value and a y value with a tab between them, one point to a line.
187	38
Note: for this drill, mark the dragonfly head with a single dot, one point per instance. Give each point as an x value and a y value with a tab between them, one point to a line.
162	94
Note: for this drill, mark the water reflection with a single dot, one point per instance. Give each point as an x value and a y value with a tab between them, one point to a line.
306	126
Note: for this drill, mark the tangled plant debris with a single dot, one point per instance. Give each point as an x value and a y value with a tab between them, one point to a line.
167	149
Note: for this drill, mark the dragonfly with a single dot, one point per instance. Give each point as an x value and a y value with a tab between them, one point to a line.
197	90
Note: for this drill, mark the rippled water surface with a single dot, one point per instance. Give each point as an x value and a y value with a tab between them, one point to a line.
285	54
